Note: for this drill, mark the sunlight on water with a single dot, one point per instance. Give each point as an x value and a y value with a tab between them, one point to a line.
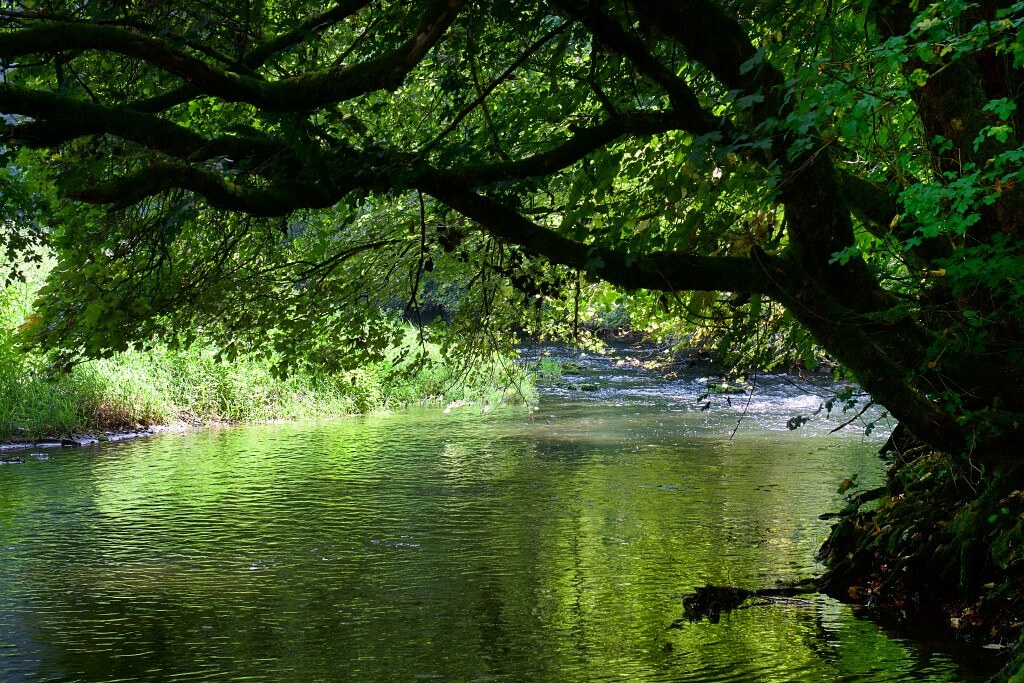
547	545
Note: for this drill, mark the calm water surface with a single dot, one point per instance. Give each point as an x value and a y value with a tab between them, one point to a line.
511	546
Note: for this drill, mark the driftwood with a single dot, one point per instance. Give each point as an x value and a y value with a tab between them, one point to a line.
711	601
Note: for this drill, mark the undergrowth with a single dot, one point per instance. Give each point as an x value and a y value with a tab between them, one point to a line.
163	385
945	539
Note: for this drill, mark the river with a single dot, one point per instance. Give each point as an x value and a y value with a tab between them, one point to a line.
512	545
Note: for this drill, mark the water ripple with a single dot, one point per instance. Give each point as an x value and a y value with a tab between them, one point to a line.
514	546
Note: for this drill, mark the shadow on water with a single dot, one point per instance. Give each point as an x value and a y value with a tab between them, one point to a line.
519	545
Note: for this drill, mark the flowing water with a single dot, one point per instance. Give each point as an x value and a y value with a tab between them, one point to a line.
517	545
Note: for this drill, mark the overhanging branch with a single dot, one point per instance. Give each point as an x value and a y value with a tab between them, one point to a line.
570	151
219	191
659	271
301	93
60	119
611	33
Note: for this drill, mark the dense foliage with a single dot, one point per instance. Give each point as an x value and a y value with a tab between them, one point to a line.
161	385
242	167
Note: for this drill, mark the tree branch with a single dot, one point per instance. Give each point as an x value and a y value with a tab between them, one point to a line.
870	203
218	191
60	36
300	93
660	271
163	102
873	350
259	54
817	219
127	22
611	33
570	151
61	119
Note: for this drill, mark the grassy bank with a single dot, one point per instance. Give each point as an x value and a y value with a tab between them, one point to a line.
163	386
160	387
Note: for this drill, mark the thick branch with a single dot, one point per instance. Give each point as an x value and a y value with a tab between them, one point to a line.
63	36
258	55
61	119
664	271
217	190
870	203
128	23
715	40
877	209
163	102
817	219
867	347
610	32
301	93
570	151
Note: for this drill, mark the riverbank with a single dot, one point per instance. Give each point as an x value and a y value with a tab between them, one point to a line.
78	440
941	540
133	393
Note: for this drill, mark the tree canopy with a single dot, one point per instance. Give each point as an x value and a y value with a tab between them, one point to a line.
278	170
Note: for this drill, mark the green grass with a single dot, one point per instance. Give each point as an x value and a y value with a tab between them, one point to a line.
157	387
163	386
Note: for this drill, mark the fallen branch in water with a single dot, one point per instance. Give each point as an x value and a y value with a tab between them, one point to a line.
711	601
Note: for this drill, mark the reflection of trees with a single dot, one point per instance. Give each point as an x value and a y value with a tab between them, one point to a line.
361	548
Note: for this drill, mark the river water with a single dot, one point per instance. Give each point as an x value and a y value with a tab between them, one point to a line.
512	545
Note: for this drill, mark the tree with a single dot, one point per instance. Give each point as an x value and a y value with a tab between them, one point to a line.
859	166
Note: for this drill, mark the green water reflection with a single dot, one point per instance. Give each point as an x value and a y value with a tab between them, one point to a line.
512	546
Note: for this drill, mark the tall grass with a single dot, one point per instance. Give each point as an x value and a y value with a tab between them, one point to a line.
162	386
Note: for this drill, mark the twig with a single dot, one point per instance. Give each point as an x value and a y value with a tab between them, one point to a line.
852	419
494	84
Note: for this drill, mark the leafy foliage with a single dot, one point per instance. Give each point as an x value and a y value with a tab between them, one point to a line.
132	388
294	180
